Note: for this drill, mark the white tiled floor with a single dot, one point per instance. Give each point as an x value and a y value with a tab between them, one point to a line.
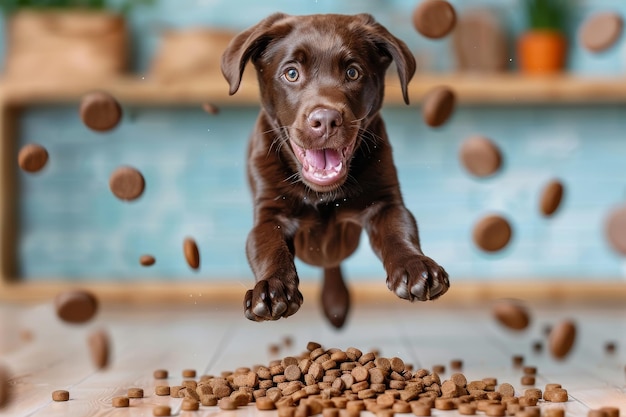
214	339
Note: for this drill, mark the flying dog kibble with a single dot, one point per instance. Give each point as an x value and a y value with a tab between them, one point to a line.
76	306
480	156
192	255
99	347
127	183
601	31
511	314
147	260
438	105
60	395
615	229
551	197
32	158
492	233
160	374
100	111
562	338
434	19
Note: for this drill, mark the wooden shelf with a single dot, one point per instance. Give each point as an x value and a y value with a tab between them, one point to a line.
510	89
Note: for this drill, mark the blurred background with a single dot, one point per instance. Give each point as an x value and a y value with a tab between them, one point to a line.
70	225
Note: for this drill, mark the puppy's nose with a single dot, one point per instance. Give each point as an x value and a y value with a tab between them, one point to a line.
324	122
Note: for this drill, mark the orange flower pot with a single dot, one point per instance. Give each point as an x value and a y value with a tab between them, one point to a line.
541	52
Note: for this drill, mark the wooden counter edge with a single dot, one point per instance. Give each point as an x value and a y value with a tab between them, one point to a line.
363	292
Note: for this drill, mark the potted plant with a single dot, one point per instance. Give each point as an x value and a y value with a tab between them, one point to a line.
53	39
542	48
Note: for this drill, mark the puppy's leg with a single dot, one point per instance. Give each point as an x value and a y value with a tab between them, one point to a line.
335	297
276	293
410	274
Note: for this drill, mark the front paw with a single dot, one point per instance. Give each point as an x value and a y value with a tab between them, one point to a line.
418	278
271	299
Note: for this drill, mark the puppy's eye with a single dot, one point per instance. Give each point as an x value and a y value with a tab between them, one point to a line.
292	75
352	73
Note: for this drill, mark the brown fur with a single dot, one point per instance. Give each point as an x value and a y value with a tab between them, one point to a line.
321	80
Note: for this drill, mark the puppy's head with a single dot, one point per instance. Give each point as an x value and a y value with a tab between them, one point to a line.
321	79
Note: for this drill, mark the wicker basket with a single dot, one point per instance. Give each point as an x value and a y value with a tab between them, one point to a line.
66	44
189	53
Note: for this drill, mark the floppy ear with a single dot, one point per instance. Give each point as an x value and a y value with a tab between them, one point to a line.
395	49
246	46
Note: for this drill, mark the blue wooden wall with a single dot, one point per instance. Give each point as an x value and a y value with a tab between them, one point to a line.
73	227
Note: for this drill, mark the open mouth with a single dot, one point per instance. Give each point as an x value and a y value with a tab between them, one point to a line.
323	167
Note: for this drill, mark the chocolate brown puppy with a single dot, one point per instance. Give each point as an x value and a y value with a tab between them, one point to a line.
320	164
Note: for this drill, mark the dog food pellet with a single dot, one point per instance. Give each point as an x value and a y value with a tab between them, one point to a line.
75	306
160	374
265	403
551	197
615	229
555	395
506	390
552	386
518	361
456	364
32	158
162	390
434	19
99	347
515	316
554	412
530	370
562	338
208	400
127	183
439	369
60	395
119	402
495	410
610	347
192	255
600	31
100	111
5	388
147	260
162	410
135	393
528	380
190	405
210	108
438	105
480	156
444	404
189	373
330	412
537	346
467	409
596	413
610	411
227	403
492	233
420	409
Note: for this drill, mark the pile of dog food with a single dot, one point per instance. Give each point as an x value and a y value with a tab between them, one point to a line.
334	382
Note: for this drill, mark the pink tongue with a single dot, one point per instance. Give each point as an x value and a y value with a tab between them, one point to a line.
323	158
